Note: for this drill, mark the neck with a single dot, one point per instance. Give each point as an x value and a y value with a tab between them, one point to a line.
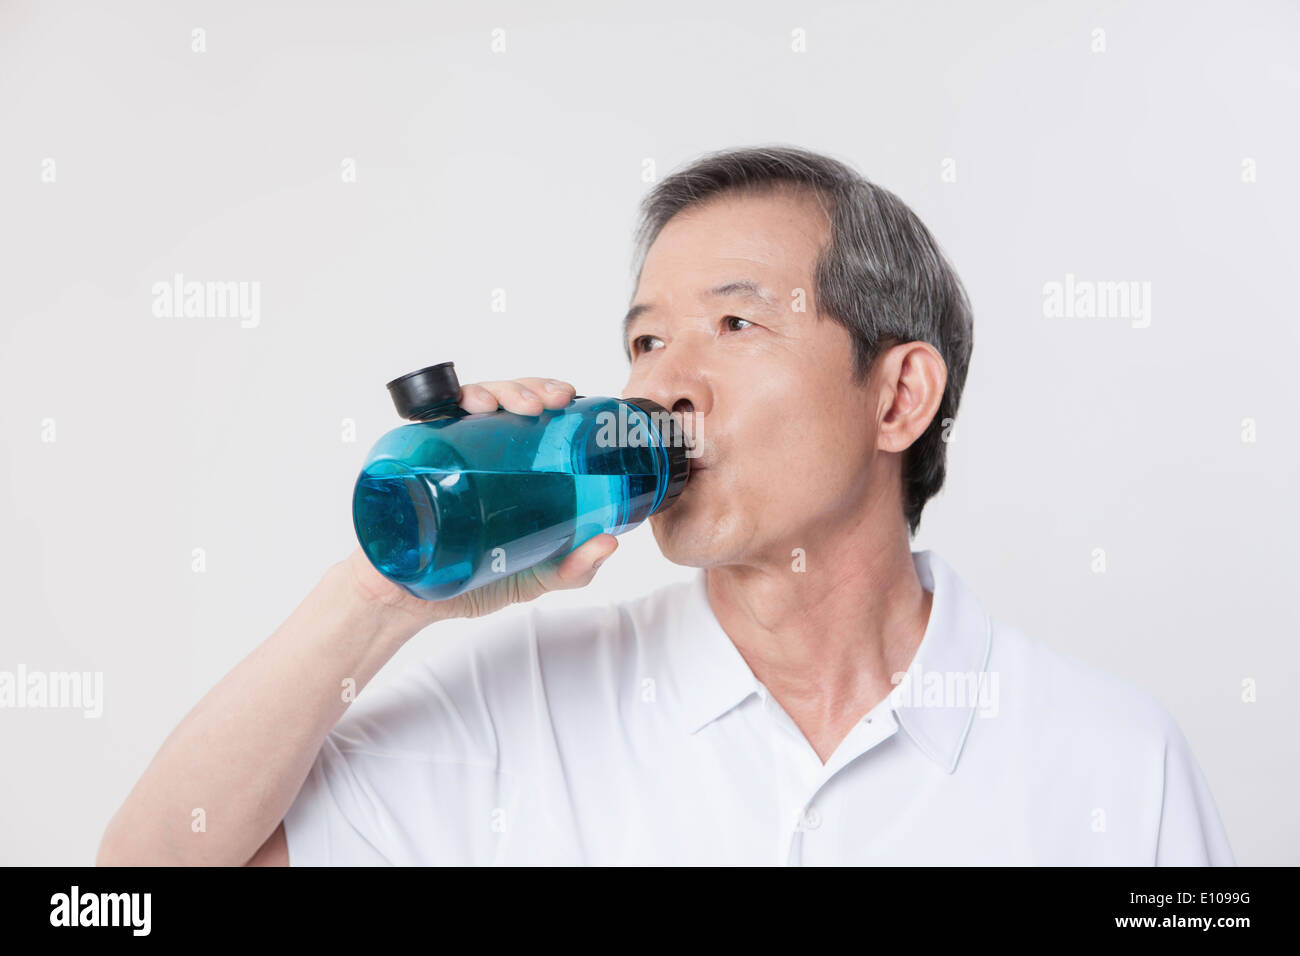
825	641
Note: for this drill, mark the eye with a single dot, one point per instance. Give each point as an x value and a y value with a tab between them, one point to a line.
735	318
637	343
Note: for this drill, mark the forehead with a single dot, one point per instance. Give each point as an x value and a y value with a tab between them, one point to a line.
774	236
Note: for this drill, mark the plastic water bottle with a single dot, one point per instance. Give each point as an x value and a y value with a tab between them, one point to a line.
458	500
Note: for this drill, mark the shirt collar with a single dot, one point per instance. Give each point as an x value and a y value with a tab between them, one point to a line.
714	678
947	680
711	674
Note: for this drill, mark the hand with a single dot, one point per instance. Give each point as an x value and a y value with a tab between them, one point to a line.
523	396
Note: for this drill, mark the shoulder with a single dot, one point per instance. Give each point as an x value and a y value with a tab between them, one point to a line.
1057	690
1097	743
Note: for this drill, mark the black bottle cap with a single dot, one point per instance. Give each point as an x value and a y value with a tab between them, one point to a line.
674	442
426	393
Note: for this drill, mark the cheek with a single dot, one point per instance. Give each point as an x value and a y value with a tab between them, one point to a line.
816	460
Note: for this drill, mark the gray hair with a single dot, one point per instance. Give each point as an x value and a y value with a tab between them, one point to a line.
882	275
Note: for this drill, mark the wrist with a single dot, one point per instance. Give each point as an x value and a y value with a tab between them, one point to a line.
398	614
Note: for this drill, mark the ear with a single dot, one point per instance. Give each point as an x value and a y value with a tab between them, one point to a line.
911	380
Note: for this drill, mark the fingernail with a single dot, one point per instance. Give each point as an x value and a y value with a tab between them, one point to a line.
528	394
553	386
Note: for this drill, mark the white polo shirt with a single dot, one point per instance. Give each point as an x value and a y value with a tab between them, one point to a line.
635	733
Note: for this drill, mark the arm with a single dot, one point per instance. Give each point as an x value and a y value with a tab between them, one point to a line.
242	754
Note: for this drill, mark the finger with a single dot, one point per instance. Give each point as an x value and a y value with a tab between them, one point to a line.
553	392
515	397
477	399
579	566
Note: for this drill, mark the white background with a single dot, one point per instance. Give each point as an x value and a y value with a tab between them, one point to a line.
521	170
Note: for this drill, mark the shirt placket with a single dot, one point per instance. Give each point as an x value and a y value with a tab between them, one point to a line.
801	776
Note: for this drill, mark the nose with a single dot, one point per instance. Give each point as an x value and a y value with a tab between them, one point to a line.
679	381
678	385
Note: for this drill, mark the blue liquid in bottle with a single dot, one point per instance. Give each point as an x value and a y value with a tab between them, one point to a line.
453	503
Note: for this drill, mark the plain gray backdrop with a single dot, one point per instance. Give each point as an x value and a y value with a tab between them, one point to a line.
380	169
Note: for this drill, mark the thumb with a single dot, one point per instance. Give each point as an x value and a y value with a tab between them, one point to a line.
579	566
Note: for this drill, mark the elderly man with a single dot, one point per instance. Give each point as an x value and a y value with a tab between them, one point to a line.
816	693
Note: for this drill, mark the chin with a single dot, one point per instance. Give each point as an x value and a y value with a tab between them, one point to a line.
689	539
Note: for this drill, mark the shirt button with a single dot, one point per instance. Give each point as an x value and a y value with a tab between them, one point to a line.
811	819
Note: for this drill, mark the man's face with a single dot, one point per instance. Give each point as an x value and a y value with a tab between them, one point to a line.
786	440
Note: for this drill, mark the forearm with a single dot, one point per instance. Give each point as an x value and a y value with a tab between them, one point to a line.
241	755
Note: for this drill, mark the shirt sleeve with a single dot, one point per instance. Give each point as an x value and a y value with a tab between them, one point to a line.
409	775
1191	833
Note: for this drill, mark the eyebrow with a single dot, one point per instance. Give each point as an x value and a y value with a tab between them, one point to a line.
736	288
